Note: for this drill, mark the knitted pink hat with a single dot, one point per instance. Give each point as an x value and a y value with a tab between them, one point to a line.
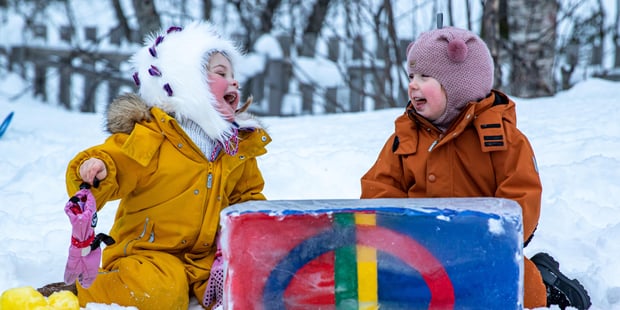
459	60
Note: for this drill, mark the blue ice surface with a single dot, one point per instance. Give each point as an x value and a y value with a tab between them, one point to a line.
477	240
444	207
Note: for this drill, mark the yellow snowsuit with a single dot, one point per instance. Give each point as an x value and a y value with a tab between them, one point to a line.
168	216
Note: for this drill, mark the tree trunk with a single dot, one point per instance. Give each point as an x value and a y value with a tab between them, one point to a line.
123	24
617	36
266	16
398	56
314	26
532	32
255	27
490	35
147	17
207	8
450	21
468	12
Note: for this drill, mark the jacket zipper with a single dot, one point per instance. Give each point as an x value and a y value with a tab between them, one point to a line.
433	145
209	180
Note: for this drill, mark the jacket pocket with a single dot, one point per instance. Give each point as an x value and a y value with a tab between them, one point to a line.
146	236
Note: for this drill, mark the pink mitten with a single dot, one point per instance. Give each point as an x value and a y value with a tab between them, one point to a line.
84	252
215	285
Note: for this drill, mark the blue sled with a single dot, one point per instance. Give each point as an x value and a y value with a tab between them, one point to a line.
5	123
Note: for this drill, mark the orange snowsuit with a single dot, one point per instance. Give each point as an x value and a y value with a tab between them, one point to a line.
482	154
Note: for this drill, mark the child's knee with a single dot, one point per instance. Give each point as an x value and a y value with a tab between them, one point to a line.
145	282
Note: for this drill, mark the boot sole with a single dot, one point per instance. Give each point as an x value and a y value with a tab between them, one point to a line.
574	291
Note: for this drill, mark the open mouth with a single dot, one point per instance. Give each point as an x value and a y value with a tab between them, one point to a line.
419	100
231	98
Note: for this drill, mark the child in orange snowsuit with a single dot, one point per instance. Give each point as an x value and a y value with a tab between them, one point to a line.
458	138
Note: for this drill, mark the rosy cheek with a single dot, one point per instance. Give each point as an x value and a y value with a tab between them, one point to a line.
218	86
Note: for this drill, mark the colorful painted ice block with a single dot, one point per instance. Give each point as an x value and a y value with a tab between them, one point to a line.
463	253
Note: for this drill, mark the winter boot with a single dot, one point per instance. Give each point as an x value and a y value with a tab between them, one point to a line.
57	287
561	290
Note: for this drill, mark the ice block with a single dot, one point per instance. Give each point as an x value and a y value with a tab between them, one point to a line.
436	253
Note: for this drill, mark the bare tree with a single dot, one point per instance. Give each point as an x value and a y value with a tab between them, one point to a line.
616	36
396	56
468	14
582	45
368	50
384	70
531	47
389	49
207	8
248	10
449	10
123	24
307	48
490	35
147	17
313	27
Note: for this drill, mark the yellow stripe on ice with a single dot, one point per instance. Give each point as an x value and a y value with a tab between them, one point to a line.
366	268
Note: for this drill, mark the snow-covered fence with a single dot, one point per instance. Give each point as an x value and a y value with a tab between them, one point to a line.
85	69
55	67
292	77
350	76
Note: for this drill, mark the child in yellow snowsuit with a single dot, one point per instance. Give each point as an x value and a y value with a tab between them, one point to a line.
178	153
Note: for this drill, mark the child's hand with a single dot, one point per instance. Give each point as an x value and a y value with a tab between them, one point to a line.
93	168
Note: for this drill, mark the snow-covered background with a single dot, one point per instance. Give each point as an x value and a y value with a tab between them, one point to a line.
576	137
575	134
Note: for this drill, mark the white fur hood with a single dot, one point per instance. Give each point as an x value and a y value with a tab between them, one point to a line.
171	75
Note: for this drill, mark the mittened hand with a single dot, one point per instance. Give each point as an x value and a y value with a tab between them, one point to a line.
82	268
215	286
83	261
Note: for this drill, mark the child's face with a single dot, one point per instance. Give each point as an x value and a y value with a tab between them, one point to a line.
427	96
223	85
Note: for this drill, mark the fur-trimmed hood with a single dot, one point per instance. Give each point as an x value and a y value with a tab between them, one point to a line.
171	74
126	110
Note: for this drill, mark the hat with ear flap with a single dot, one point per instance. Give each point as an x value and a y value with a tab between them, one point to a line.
459	60
171	74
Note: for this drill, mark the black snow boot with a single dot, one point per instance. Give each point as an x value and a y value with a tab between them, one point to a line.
57	287
561	290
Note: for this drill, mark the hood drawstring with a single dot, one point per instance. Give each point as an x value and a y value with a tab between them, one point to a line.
229	146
